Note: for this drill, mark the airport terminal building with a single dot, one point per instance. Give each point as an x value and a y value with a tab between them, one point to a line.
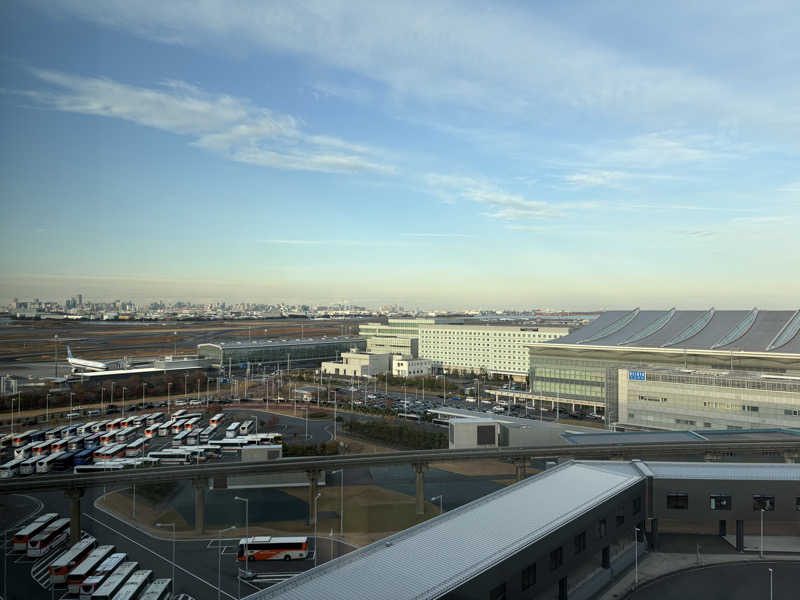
678	369
279	352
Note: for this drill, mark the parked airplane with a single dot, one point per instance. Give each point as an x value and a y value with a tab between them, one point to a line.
85	365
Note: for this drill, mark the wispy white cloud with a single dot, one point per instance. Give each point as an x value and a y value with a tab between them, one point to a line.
339	242
793	187
439	235
226	125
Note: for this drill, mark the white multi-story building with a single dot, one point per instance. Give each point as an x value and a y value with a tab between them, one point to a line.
405	366
359	364
500	349
399	335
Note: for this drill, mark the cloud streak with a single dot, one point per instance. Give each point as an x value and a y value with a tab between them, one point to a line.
222	124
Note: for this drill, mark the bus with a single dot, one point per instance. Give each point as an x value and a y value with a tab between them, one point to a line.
45	465
54	433
28	465
125	423
135	585
196	454
177	426
232	430
173	456
273	548
99	467
275	438
140	420
158	590
230	444
127	434
114	582
179	413
59	445
193	438
99	426
217	419
178	439
246	427
95	580
75	443
24	451
21	438
85	428
65	461
61	566
5	440
10	468
23	536
109	452
41	449
92	441
87	567
187	416
136	448
207	434
69	431
109	437
209	451
193	423
165	428
151	431
84	457
47	539
154	418
114	425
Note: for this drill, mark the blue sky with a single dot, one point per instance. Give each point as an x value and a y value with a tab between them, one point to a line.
437	154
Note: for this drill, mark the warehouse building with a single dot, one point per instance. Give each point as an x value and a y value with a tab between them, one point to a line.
281	353
490	349
676	369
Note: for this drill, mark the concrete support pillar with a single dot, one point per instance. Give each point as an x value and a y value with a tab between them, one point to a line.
654	534
313	478
419	469
519	468
74	495
723	527
739	535
199	504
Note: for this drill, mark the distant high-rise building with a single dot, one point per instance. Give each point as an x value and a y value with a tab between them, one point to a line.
80	299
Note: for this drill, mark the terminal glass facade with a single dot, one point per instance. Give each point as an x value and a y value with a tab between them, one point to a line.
278	352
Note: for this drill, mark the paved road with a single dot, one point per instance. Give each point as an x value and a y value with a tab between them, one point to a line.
726	582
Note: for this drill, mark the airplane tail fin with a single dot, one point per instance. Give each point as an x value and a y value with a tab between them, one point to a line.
69	352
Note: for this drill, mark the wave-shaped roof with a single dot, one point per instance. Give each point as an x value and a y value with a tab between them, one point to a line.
744	330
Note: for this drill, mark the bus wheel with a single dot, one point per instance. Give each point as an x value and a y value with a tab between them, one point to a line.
287	557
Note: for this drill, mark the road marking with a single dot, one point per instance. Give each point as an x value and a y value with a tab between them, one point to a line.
151	551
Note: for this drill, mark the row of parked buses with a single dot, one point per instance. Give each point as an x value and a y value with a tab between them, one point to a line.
88	571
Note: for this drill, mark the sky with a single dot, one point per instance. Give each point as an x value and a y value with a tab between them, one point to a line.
575	155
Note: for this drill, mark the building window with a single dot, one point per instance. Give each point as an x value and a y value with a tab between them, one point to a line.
720	502
498	593
556	559
580	542
485	435
601	528
797	503
678	500
620	515
637	505
528	576
763	502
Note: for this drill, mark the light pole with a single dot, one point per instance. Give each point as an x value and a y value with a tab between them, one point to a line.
306	409
341	500
173	548
71	394
185	385
770	584
47	408
102	389
219	559
169	405
246	527
55	356
440	498
762	532
316	520
111	401
123	401
636	558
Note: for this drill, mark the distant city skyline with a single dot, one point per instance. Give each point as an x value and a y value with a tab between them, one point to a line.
575	156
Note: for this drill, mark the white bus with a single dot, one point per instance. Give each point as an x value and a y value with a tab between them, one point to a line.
86	568
151	431
177	426
109	452
207	434
272	548
129	422
25	451
209	451
154	418
173	456
28	466
136	448
179	413
85	428
164	428
61	566
217	419
41	449
193	438
158	590
178	439
11	468
44	465
115	581
135	585
23	536
192	423
47	539
230	444
106	465
232	430
127	434
99	426
140	420
114	425
54	433
75	443
95	580
246	427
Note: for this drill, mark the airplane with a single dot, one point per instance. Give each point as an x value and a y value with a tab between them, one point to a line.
86	365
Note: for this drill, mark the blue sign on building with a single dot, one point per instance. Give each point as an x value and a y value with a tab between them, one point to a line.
637	375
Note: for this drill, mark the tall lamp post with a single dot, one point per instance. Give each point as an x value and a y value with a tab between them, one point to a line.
316	520
246	526
440	498
341	500
173	548
770	584
123	401
71	394
169	405
219	559
762	532
636	558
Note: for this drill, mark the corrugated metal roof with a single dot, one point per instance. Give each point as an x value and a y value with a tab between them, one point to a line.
437	556
725	471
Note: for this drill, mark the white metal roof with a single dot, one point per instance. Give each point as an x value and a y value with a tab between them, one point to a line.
435	557
738	471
